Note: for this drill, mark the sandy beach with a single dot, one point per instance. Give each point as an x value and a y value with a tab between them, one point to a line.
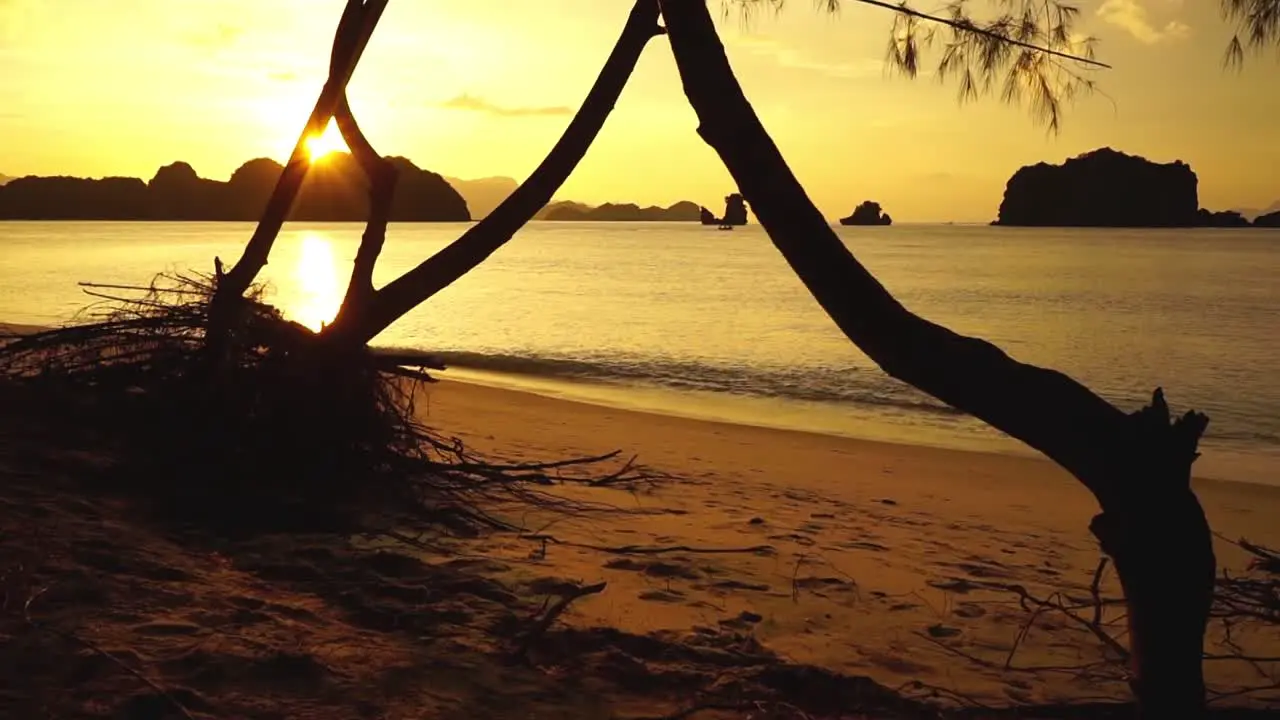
840	557
878	555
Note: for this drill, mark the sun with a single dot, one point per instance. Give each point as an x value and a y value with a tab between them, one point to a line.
329	141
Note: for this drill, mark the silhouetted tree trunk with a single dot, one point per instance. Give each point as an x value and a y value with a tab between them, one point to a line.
381	176
354	30
359	18
360	325
1137	465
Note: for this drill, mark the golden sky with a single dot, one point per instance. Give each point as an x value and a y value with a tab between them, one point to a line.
473	88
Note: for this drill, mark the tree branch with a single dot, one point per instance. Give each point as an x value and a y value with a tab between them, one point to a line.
381	175
967	26
352	36
482	239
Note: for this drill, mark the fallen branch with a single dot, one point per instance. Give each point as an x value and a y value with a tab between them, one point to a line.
543	623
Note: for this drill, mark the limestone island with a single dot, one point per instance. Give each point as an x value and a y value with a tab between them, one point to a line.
735	213
334	191
683	211
868	213
1270	220
1108	188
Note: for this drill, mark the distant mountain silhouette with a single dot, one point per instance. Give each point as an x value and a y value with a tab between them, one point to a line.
4	179
1270	220
483	194
334	190
1255	213
867	213
629	212
558	205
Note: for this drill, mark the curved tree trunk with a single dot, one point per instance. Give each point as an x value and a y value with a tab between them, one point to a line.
1137	465
491	233
381	176
356	26
354	30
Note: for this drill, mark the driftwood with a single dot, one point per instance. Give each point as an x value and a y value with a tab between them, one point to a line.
1138	466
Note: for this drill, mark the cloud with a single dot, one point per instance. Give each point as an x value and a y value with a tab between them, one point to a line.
213	38
1132	16
471	103
790	57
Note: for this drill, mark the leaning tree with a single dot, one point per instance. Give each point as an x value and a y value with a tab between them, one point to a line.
1137	465
1027	52
199	369
366	311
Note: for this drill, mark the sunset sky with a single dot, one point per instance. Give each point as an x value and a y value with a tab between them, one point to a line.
473	88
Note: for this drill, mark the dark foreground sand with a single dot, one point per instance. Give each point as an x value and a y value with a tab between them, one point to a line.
850	559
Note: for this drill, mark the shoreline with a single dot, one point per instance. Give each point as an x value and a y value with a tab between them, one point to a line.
1038	465
754	411
627	399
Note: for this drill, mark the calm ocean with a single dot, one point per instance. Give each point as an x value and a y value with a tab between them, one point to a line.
682	319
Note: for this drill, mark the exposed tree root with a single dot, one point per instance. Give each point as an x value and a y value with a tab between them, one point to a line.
550	615
280	431
1244	605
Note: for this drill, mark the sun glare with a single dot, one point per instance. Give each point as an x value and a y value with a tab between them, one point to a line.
327	142
316	293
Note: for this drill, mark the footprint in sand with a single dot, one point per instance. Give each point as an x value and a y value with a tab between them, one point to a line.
825	583
956	585
161	628
654	568
942	631
667	596
863	545
793	537
744	621
739	585
983	570
969	611
552	586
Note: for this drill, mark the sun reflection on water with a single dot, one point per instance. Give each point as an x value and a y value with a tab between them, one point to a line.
317	293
